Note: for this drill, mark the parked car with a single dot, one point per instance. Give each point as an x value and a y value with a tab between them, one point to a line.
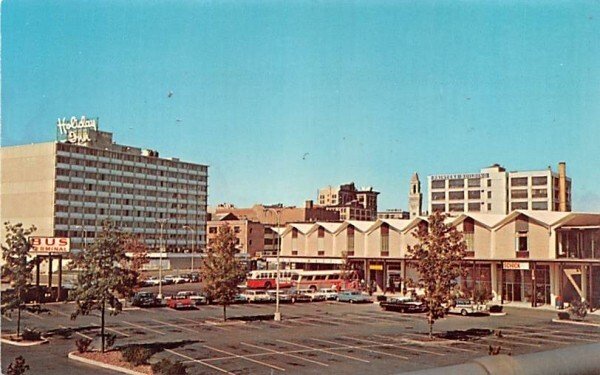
151	281
186	277
330	293
144	299
240	298
196	298
257	296
167	280
180	302
465	307
175	279
284	297
299	296
403	305
353	296
195	277
315	296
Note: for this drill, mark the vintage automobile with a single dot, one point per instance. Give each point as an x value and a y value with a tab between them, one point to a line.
353	296
315	295
330	294
257	296
180	302
197	299
299	296
466	307
151	281
144	299
284	297
403	305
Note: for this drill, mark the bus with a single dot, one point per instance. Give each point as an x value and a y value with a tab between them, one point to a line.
267	279
315	280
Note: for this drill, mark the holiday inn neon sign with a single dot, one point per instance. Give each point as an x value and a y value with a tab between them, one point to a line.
76	130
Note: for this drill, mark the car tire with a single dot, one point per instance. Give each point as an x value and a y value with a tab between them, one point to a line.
464	312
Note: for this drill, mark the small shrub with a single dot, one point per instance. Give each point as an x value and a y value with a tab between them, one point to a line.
562	315
496	309
166	367
83	345
136	355
578	308
31	334
17	367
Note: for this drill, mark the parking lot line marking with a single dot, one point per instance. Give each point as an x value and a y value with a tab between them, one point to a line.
199	361
362	348
78	333
142	327
554	334
175	326
405	346
34	315
286	354
325	351
116	331
58	312
245	358
528	336
203	323
448	345
393	345
560	331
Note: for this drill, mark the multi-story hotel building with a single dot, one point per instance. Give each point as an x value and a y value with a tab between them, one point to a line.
496	191
349	202
536	257
67	188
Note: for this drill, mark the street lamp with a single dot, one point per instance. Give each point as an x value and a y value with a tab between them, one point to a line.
162	225
277	316
191	229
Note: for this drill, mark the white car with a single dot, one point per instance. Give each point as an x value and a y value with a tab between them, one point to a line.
176	279
315	296
152	281
330	293
196	298
257	296
465	307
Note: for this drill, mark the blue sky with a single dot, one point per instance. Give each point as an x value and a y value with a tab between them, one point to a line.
281	98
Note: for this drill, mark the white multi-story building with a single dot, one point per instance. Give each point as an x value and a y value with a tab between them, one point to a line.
496	191
68	188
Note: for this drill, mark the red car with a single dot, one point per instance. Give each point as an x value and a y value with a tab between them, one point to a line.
180	302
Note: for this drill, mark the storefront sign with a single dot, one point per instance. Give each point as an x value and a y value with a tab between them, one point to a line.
76	130
461	176
50	244
515	265
376	267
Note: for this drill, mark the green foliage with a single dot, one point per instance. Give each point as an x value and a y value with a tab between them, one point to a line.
136	355
17	267
166	367
439	252
221	271
578	308
31	334
17	367
83	345
104	275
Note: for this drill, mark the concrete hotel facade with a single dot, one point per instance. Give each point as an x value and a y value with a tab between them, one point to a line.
67	190
526	256
496	191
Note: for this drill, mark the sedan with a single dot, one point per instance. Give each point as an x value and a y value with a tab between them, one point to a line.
353	296
403	305
299	296
465	307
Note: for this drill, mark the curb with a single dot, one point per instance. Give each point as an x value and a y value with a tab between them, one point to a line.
498	314
75	357
574	322
232	323
26	343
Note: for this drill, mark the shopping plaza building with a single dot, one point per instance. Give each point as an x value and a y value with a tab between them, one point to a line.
538	257
69	187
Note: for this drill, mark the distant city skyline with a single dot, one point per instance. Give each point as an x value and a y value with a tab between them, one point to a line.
281	99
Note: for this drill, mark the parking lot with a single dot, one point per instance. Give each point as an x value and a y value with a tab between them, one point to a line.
323	337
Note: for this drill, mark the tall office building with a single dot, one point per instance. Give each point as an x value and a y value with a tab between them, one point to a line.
69	187
351	203
494	190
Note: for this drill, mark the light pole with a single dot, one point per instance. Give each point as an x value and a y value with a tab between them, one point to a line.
191	229
277	316
160	250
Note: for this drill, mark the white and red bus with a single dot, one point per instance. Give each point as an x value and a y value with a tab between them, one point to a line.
320	280
267	279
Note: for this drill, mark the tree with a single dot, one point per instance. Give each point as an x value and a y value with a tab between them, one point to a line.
346	271
136	251
221	271
439	252
17	268
104	275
